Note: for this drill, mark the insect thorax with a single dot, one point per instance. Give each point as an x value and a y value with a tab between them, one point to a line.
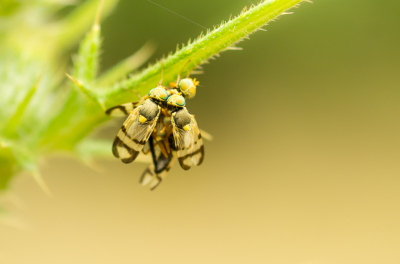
149	109
181	118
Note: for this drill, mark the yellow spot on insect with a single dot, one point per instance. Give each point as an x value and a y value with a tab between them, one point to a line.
186	128
142	119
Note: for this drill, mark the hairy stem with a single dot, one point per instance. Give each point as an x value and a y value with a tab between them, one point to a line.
198	52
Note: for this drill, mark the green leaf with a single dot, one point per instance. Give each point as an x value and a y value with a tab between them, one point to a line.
78	110
86	62
8	165
16	118
79	21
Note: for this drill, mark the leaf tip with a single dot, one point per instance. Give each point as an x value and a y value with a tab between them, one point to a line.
96	25
74	80
42	184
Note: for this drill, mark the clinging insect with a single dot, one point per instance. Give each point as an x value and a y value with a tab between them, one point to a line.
161	120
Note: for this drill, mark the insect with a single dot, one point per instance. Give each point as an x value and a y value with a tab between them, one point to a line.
161	120
186	86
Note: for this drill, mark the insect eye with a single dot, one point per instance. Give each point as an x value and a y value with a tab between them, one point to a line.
159	93
176	100
185	84
164	95
180	101
188	87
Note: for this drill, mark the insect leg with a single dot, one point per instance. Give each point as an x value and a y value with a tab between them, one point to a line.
162	174
165	128
166	144
156	173
166	139
179	75
153	152
147	175
160	143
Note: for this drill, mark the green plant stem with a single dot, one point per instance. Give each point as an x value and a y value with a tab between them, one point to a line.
198	52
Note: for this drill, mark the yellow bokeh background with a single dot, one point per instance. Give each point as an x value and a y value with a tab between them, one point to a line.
304	165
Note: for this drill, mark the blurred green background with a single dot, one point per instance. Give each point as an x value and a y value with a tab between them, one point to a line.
304	166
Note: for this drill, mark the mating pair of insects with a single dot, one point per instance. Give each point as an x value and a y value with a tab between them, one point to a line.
160	119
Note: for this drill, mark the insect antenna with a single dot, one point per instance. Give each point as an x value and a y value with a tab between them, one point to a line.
162	73
179	75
